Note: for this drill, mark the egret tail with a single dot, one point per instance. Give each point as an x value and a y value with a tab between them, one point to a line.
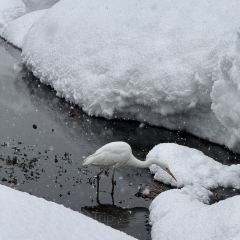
89	160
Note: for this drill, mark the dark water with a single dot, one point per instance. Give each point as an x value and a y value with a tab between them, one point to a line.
43	141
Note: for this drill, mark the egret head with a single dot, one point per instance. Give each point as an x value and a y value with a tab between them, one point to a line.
165	167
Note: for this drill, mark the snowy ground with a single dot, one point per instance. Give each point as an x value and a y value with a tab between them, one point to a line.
17	29
183	213
28	217
192	167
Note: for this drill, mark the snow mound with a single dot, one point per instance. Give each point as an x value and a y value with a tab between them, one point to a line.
226	94
9	10
17	29
181	214
192	167
156	62
28	217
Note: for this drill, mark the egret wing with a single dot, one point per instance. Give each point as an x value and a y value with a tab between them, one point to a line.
112	154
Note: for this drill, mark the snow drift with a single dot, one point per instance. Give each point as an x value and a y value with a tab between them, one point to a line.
192	167
16	31
28	217
9	10
169	63
182	214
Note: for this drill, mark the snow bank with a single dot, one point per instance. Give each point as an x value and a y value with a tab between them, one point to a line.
27	217
9	10
192	167
182	215
17	29
166	62
226	94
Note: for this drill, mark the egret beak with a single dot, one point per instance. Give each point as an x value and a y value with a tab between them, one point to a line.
170	173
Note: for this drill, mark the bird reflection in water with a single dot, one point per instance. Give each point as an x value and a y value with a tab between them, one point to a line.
133	221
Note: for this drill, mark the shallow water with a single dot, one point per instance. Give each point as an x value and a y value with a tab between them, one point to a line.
43	141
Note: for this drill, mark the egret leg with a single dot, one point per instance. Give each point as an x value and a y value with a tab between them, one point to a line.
98	180
113	186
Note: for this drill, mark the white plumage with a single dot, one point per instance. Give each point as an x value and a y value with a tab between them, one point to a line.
117	154
114	154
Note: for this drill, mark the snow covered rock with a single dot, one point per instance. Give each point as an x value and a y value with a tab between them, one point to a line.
182	215
17	29
159	62
192	167
9	10
28	217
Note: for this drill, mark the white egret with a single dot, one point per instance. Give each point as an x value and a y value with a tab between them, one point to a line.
119	154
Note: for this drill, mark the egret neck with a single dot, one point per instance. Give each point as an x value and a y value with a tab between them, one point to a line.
134	162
